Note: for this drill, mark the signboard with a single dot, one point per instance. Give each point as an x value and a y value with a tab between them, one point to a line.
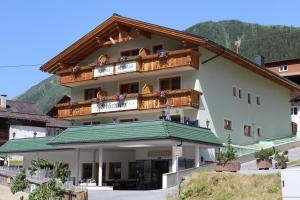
104	71
126	67
112	106
159	153
177	151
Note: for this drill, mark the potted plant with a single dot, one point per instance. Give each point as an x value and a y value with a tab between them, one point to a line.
227	159
264	158
281	159
91	182
83	182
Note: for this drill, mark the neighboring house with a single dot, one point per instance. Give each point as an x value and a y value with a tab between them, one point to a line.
289	69
127	77
53	112
24	120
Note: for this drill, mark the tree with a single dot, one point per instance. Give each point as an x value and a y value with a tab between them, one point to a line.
52	189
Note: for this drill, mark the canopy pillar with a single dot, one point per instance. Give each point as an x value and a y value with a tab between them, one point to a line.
100	166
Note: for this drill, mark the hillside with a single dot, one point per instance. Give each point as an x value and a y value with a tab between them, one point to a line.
45	94
273	42
234	186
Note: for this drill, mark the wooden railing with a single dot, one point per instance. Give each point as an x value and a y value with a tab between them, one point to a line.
176	98
175	59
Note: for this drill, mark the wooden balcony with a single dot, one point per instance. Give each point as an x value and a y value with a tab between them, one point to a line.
139	64
140	102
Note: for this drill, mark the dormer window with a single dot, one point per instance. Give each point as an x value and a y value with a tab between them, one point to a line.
283	68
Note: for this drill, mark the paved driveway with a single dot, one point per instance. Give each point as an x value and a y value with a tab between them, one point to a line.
131	195
250	167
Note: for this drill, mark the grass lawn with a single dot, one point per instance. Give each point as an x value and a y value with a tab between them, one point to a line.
293	163
224	186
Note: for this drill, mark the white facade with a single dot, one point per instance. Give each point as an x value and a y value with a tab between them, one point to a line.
20	131
216	80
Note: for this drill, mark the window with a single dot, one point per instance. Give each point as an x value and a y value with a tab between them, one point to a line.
258	100
129	88
258	132
157	48
294	110
129	120
131	52
249	98
227	124
87	169
91	123
115	170
91	93
240	93
234	91
170	83
247	130
283	68
174	118
132	170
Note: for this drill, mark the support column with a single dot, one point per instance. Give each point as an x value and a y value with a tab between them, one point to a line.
77	164
94	165
197	156
100	166
174	163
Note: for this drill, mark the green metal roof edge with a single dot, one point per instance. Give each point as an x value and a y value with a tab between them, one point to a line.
38	139
164	124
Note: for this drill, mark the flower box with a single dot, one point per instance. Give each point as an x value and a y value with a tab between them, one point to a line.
280	165
264	163
231	166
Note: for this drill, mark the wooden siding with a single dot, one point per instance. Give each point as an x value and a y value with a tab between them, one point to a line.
175	59
177	98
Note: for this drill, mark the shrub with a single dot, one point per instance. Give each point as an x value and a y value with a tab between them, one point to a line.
264	154
229	154
280	156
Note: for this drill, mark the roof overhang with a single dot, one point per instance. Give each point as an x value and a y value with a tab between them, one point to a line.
87	44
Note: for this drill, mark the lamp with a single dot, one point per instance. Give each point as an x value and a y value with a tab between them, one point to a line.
207	123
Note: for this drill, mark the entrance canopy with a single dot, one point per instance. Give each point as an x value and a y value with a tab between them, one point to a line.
121	132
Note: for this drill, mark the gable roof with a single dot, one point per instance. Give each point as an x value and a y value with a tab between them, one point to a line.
141	130
87	44
29	111
283	62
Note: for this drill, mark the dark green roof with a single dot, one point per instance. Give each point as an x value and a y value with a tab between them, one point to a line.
147	130
143	130
27	145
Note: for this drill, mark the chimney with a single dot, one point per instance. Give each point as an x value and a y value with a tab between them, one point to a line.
260	60
3	101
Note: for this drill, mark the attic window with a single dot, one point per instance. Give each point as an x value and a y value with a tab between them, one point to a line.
283	68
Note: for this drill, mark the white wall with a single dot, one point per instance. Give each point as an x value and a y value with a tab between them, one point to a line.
26	131
215	79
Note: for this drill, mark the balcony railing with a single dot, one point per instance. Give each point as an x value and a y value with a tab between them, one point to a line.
139	102
139	64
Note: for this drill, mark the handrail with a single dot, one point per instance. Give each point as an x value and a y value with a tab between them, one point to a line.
130	58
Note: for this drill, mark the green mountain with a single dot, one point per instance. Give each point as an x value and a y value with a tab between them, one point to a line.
273	42
45	94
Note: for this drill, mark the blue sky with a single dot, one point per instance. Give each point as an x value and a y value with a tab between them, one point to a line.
34	31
